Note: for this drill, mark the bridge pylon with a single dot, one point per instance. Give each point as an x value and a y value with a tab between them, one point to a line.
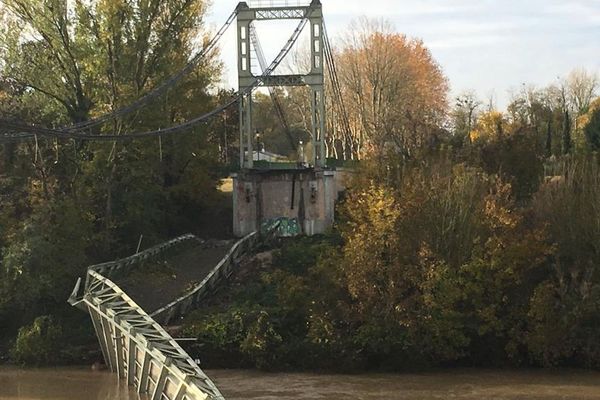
314	79
300	195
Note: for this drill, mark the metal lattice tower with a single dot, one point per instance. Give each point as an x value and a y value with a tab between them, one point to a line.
246	15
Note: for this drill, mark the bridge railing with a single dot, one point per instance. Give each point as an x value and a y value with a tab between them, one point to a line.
133	344
190	300
119	267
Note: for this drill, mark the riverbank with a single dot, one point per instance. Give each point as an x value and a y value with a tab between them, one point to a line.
462	384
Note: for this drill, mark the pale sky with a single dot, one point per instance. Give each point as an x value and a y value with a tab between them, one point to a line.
489	46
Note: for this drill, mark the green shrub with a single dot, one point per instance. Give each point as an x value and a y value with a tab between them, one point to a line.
39	343
261	342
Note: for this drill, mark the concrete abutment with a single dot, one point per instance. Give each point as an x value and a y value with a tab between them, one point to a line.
303	199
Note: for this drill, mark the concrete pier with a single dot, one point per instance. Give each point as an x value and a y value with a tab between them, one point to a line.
303	199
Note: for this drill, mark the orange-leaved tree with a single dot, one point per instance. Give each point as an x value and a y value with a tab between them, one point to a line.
396	92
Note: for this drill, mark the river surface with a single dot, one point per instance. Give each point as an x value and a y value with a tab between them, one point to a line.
84	384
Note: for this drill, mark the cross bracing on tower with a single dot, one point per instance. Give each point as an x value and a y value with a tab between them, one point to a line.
310	14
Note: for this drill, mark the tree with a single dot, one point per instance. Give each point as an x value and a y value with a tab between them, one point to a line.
582	87
395	91
99	55
565	307
440	266
69	203
490	125
464	115
589	123
91	58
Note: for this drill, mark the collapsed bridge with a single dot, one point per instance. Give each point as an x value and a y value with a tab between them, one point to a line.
134	343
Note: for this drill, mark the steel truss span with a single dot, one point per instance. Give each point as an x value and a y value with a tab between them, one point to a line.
136	347
133	345
279	14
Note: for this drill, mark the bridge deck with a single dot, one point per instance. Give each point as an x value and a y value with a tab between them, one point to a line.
166	279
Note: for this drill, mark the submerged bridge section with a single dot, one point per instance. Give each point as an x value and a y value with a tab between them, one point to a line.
134	345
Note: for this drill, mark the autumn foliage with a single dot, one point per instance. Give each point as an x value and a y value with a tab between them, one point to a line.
394	89
469	236
442	267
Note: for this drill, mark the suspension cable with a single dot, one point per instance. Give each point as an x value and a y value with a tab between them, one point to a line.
169	83
32	129
145	99
15	137
337	88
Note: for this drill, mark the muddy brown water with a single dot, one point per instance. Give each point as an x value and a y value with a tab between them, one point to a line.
84	384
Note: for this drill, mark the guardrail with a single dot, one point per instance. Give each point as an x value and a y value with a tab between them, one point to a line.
113	268
133	344
222	271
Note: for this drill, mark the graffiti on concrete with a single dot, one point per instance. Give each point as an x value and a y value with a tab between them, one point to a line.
288	227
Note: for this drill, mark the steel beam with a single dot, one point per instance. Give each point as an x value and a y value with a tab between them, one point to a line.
279	13
161	382
318	90
100	334
110	345
247	13
120	355
180	392
246	132
143	380
131	359
149	338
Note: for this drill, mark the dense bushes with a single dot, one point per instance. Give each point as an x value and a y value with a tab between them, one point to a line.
441	267
38	343
264	320
565	308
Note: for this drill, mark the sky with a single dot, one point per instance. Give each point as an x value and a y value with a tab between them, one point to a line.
491	47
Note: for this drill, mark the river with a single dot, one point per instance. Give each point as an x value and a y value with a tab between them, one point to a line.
84	384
